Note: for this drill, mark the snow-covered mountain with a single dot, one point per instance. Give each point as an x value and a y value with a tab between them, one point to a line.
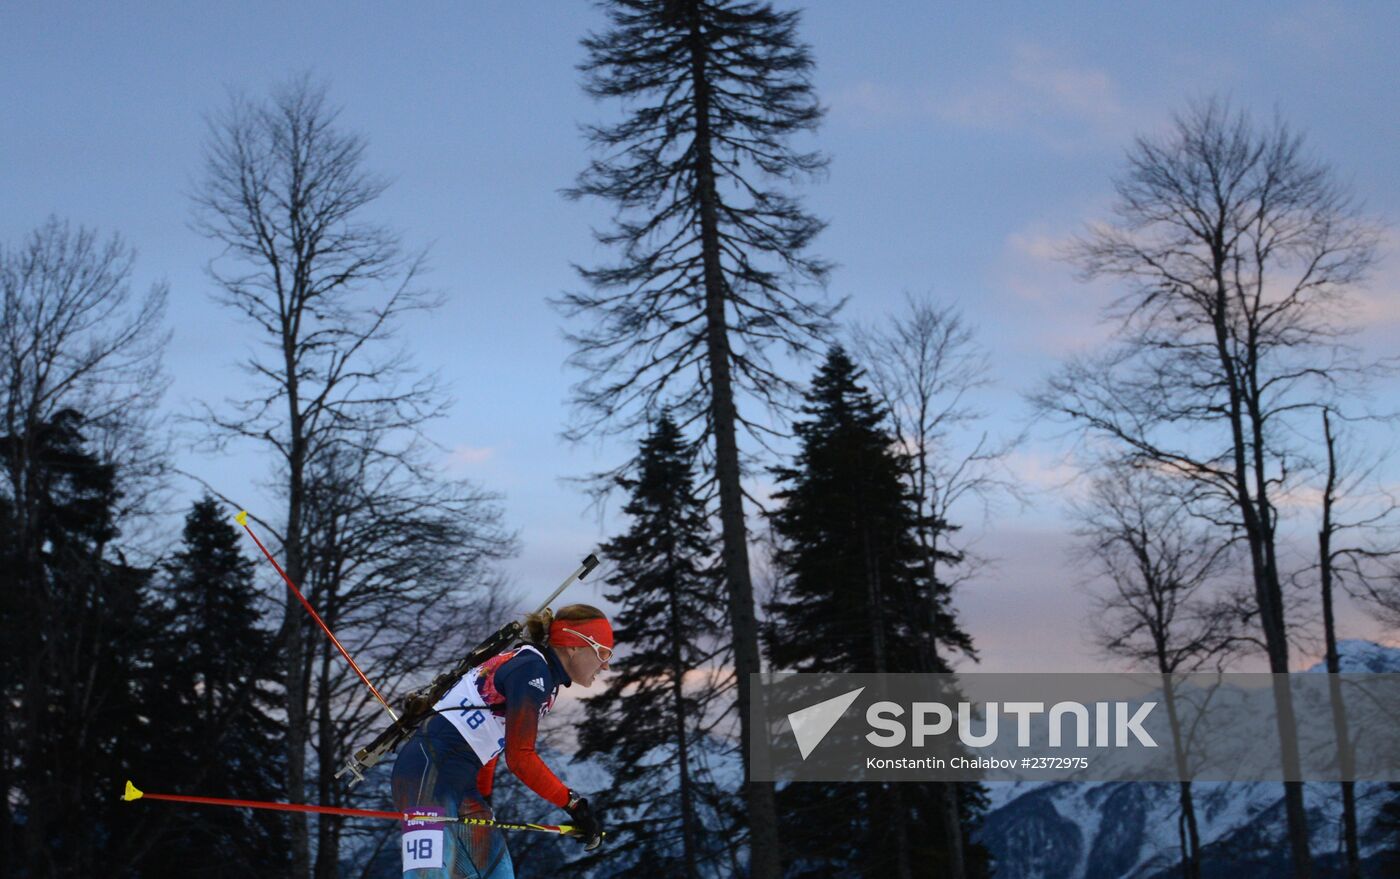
1106	830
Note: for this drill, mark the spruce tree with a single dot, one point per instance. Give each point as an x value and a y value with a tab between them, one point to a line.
852	596
712	253
851	567
651	723
76	635
214	692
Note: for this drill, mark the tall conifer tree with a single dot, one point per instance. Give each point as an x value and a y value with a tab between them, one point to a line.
852	569
651	724
214	690
712	250
852	597
76	634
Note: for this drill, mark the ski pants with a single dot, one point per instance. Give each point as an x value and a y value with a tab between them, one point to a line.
430	776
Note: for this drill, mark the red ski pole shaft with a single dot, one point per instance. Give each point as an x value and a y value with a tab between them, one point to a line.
135	793
242	519
278	807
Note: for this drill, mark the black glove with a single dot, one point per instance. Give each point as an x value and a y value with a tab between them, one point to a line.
586	824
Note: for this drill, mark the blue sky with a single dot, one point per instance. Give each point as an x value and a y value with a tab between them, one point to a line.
966	141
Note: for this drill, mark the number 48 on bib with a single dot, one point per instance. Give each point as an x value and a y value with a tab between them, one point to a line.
422	849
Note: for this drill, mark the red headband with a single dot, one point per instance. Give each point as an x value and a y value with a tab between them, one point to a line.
597	629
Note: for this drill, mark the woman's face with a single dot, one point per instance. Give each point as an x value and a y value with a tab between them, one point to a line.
581	663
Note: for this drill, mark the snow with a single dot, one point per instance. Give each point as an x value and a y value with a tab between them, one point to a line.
1223	808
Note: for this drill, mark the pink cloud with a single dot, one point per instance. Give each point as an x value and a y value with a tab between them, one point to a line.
464	455
1046	304
1065	105
1378	300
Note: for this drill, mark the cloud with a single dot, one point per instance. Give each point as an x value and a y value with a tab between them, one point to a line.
1378	300
1028	611
867	102
1377	307
1038	245
1045	471
1043	300
1067	106
1318	28
1035	90
465	456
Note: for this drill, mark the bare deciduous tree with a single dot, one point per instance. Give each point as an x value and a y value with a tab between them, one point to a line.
73	336
400	563
285	193
1238	251
925	365
1160	609
1357	551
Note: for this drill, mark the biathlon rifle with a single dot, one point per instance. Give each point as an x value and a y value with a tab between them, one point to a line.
418	705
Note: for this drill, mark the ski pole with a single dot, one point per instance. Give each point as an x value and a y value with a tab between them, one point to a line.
133	793
242	519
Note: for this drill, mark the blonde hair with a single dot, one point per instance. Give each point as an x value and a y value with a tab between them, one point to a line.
537	624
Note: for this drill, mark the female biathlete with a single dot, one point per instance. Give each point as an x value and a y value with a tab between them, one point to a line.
449	764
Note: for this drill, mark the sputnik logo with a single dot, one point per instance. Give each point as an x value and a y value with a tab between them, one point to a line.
811	724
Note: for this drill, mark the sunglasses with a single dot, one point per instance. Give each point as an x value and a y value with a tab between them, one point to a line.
603	653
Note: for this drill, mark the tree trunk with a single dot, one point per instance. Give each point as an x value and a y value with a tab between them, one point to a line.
1188	831
873	593
1276	638
293	622
37	665
1254	510
764	859
1334	666
688	819
292	648
327	865
948	817
762	810
898	816
893	792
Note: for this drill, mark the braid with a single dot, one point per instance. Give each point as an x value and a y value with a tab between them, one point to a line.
537	626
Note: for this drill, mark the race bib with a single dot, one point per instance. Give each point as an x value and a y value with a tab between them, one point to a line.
422	844
472	703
